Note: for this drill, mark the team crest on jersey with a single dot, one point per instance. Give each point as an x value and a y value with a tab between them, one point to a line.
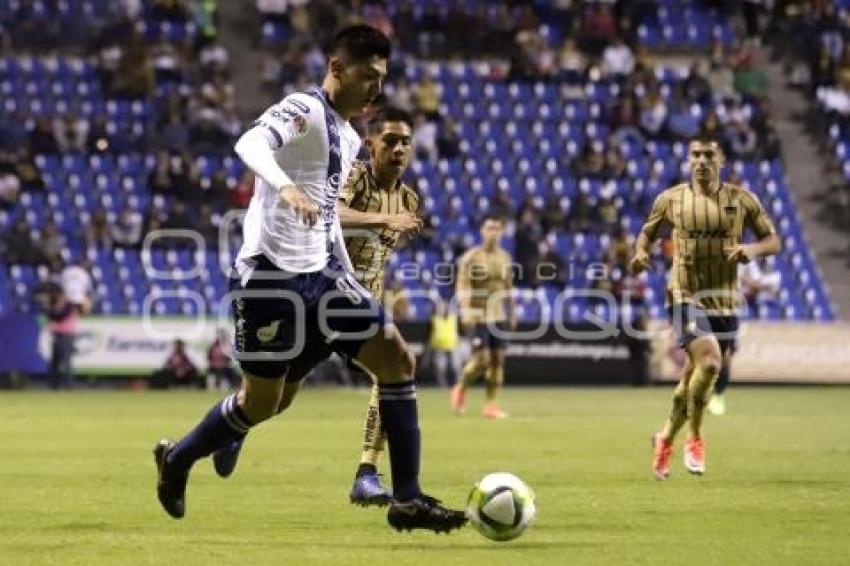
267	333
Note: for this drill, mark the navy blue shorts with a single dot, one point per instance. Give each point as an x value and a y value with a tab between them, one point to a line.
690	321
291	322
483	337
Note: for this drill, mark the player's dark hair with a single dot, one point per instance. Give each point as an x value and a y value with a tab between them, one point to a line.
360	42
388	114
706	139
495	217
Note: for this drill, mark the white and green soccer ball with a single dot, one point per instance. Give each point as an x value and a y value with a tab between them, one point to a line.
501	506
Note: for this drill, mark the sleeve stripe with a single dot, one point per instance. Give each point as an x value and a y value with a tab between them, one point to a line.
277	137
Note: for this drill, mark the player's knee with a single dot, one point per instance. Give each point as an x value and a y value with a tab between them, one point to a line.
710	363
680	399
283	405
497	359
399	362
398	367
258	408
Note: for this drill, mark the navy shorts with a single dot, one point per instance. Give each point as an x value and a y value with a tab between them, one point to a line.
291	322
690	321
483	337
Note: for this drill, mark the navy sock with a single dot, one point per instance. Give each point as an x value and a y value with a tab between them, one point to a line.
722	380
400	420
223	424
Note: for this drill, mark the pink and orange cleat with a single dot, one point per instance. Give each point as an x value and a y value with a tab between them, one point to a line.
493	411
458	400
662	451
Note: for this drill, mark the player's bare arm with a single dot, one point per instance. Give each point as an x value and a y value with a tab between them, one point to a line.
510	312
463	289
640	261
745	253
657	217
404	222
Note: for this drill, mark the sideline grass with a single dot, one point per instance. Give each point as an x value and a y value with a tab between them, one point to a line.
77	482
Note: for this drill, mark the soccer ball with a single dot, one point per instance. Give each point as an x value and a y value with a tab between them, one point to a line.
501	506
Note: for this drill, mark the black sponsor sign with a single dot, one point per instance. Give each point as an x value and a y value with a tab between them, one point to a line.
572	354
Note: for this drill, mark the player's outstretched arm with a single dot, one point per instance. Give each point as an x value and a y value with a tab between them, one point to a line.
404	222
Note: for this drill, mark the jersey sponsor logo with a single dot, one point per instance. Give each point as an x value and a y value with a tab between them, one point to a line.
328	207
267	333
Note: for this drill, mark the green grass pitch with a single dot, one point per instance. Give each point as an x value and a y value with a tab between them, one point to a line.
77	482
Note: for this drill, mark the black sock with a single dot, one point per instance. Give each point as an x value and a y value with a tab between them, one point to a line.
400	418
722	380
223	424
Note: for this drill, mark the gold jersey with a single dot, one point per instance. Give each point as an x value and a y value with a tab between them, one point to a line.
705	229
484	275
370	253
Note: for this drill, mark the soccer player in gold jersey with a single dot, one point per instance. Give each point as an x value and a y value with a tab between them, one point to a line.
484	285
708	218
377	209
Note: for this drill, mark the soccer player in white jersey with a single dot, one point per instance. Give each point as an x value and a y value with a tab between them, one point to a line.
297	295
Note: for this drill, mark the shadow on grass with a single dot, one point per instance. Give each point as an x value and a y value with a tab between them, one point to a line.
82	527
482	545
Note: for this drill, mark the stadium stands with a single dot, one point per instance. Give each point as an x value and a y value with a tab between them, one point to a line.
523	142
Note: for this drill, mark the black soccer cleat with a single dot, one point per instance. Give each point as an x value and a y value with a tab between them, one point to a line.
224	459
171	484
424	512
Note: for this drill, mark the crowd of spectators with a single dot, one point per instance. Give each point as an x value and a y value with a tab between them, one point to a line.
182	83
818	60
568	42
185	81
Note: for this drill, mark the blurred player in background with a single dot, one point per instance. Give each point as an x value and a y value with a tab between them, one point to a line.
484	286
756	285
708	218
442	354
298	297
64	300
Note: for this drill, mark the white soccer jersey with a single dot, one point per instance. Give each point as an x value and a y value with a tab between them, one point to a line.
316	148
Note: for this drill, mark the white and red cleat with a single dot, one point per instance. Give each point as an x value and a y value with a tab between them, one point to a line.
695	456
662	452
458	400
